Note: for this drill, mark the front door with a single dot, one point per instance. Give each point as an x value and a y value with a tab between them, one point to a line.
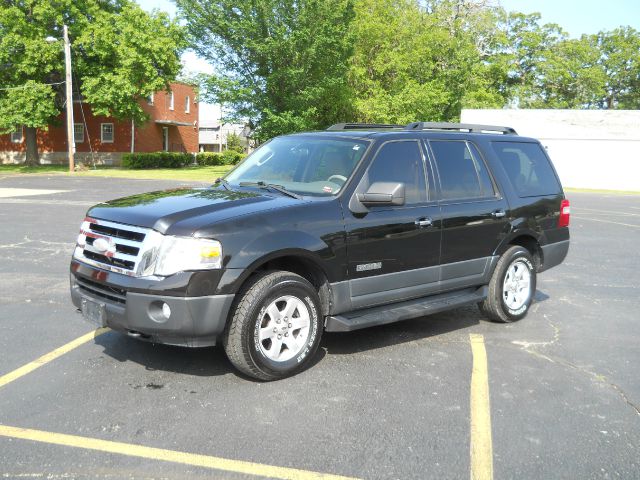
474	214
165	139
394	251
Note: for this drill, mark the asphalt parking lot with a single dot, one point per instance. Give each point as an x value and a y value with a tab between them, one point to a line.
387	402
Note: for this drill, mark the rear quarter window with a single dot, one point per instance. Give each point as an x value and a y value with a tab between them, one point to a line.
528	168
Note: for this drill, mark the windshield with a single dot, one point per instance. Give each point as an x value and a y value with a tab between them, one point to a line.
306	165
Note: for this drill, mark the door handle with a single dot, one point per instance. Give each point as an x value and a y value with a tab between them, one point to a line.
498	213
424	222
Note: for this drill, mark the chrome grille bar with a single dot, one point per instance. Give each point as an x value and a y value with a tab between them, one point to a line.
116	247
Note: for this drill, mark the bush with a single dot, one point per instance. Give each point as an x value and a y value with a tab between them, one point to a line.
156	160
209	159
231	157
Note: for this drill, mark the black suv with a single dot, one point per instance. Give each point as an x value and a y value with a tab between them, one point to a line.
356	226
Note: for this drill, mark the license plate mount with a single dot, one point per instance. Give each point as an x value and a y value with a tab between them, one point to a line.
94	312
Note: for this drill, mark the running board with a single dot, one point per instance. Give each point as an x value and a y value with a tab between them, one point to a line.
395	312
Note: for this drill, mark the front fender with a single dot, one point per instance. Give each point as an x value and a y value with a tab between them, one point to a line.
279	244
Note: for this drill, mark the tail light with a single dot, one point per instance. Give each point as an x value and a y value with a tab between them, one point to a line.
565	213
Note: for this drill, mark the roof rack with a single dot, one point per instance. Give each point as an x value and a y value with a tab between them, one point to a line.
469	127
356	126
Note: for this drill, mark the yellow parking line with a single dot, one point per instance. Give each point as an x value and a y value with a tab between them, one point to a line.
185	458
48	357
481	445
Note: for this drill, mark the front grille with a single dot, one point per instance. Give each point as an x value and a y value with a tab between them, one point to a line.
101	290
115	246
117	231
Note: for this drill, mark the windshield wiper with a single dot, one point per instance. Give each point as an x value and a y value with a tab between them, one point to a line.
273	186
224	183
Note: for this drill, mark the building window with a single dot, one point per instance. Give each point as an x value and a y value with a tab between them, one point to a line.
78	133
150	99
106	132
187	104
16	135
170	100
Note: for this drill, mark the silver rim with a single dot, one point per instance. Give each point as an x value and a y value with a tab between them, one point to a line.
517	285
284	328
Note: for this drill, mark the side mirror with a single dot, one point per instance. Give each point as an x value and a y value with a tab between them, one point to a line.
383	193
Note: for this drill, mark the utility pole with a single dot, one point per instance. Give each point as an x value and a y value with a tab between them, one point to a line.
71	141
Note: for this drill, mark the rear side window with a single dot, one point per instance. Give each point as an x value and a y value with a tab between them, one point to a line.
462	175
528	168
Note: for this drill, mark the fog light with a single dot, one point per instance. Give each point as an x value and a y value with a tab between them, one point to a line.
166	310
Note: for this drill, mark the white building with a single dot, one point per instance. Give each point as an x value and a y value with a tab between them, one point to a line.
213	132
597	149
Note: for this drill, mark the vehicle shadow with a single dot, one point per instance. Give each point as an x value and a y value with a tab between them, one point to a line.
408	330
201	362
212	361
401	332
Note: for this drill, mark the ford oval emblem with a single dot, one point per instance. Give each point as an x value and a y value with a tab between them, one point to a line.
103	245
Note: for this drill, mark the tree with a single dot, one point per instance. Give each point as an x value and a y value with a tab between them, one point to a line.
526	48
234	142
280	64
120	55
423	60
571	76
620	59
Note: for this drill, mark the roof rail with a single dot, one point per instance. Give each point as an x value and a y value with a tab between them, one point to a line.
356	126
470	127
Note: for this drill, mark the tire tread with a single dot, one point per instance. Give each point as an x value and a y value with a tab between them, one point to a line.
237	351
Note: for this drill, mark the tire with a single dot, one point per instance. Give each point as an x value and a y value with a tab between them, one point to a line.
509	301
259	341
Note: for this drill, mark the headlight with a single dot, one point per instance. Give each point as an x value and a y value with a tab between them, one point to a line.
177	254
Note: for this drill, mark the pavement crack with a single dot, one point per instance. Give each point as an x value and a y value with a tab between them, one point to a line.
532	349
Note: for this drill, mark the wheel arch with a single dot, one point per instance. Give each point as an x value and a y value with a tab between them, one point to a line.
298	261
526	239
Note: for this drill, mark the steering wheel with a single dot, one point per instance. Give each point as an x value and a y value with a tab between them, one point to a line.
342	179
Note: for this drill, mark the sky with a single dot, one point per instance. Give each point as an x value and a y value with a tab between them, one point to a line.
581	16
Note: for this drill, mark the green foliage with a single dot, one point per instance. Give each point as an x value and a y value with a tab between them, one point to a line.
571	76
620	60
234	142
228	157
156	160
209	159
231	157
120	54
281	64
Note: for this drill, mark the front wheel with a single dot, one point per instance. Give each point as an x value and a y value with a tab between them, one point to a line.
276	326
511	288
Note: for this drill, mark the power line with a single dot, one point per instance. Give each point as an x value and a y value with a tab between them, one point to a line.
30	86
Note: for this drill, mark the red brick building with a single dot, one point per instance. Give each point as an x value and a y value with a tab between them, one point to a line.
172	126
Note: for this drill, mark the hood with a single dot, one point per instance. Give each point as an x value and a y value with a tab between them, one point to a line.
161	210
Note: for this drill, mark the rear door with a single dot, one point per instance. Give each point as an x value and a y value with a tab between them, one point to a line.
394	251
474	213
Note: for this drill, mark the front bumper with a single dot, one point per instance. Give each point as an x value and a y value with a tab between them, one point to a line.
194	321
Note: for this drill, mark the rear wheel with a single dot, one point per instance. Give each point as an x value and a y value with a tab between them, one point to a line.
276	326
511	288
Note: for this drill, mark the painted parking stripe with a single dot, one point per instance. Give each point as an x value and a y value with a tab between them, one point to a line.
192	459
577	217
48	357
24	192
481	448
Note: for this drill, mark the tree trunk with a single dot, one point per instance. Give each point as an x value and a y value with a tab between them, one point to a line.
31	140
610	104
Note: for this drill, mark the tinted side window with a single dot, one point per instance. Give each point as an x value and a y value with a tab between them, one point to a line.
460	175
401	162
527	168
483	173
